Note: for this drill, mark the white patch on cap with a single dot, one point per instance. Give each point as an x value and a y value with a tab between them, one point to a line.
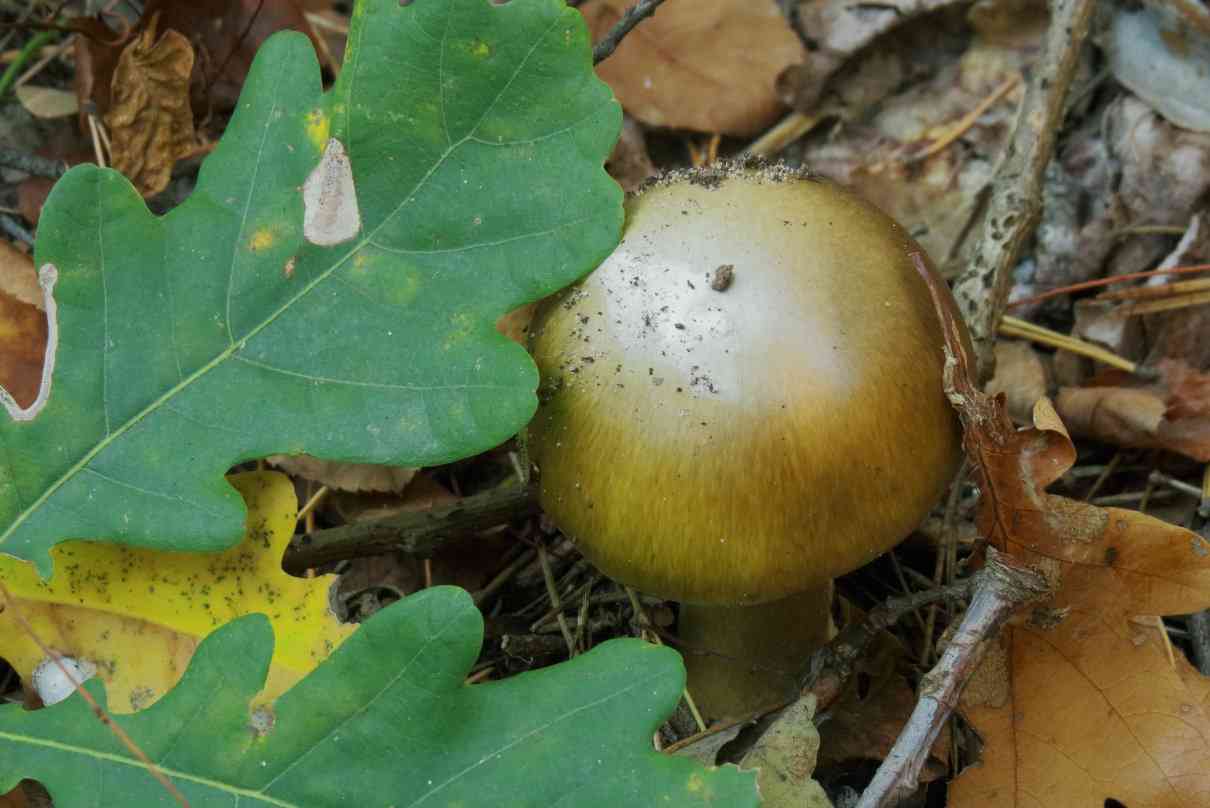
46	280
53	685
330	212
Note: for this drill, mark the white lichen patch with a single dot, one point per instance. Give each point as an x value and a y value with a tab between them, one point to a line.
330	211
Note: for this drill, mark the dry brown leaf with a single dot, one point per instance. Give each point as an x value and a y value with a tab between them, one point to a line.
1021	376
345	476
1173	413
47	102
1094	711
224	34
839	30
150	120
630	164
883	149
704	66
22	326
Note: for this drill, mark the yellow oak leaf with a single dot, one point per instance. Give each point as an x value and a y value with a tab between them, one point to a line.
138	614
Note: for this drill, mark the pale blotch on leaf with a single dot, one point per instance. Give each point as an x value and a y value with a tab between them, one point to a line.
47	276
330	211
54	681
261	721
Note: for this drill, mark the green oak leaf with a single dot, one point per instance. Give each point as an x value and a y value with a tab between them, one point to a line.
331	285
386	721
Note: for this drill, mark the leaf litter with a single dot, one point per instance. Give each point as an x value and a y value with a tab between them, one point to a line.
898	124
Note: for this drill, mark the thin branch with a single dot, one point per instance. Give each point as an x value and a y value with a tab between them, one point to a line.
32	163
1001	588
831	666
1015	204
633	16
414	532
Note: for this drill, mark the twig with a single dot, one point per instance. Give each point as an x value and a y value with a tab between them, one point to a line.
1015	205
1002	587
1013	327
32	163
503	577
10	226
1199	638
415	532
967	121
632	17
1133	276
831	666
949	537
552	592
785	132
649	632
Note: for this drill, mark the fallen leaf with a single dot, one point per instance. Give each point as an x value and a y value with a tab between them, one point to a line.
1021	376
630	164
1172	413
839	29
515	324
22	326
47	102
150	120
886	150
137	615
345	476
1159	51
784	757
224	34
1091	709
704	66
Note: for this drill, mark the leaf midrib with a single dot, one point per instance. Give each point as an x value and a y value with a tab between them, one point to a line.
234	347
176	774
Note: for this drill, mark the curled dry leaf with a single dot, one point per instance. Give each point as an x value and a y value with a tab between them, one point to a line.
704	66
1091	708
150	120
1173	413
225	35
22	326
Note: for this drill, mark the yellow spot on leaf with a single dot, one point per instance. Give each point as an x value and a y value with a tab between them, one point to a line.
318	127
480	49
262	239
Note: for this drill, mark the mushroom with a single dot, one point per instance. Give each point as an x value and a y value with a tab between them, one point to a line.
741	403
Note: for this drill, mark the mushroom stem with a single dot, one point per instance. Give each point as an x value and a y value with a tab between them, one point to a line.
742	658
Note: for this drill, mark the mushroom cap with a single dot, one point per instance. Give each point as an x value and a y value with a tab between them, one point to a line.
739	443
